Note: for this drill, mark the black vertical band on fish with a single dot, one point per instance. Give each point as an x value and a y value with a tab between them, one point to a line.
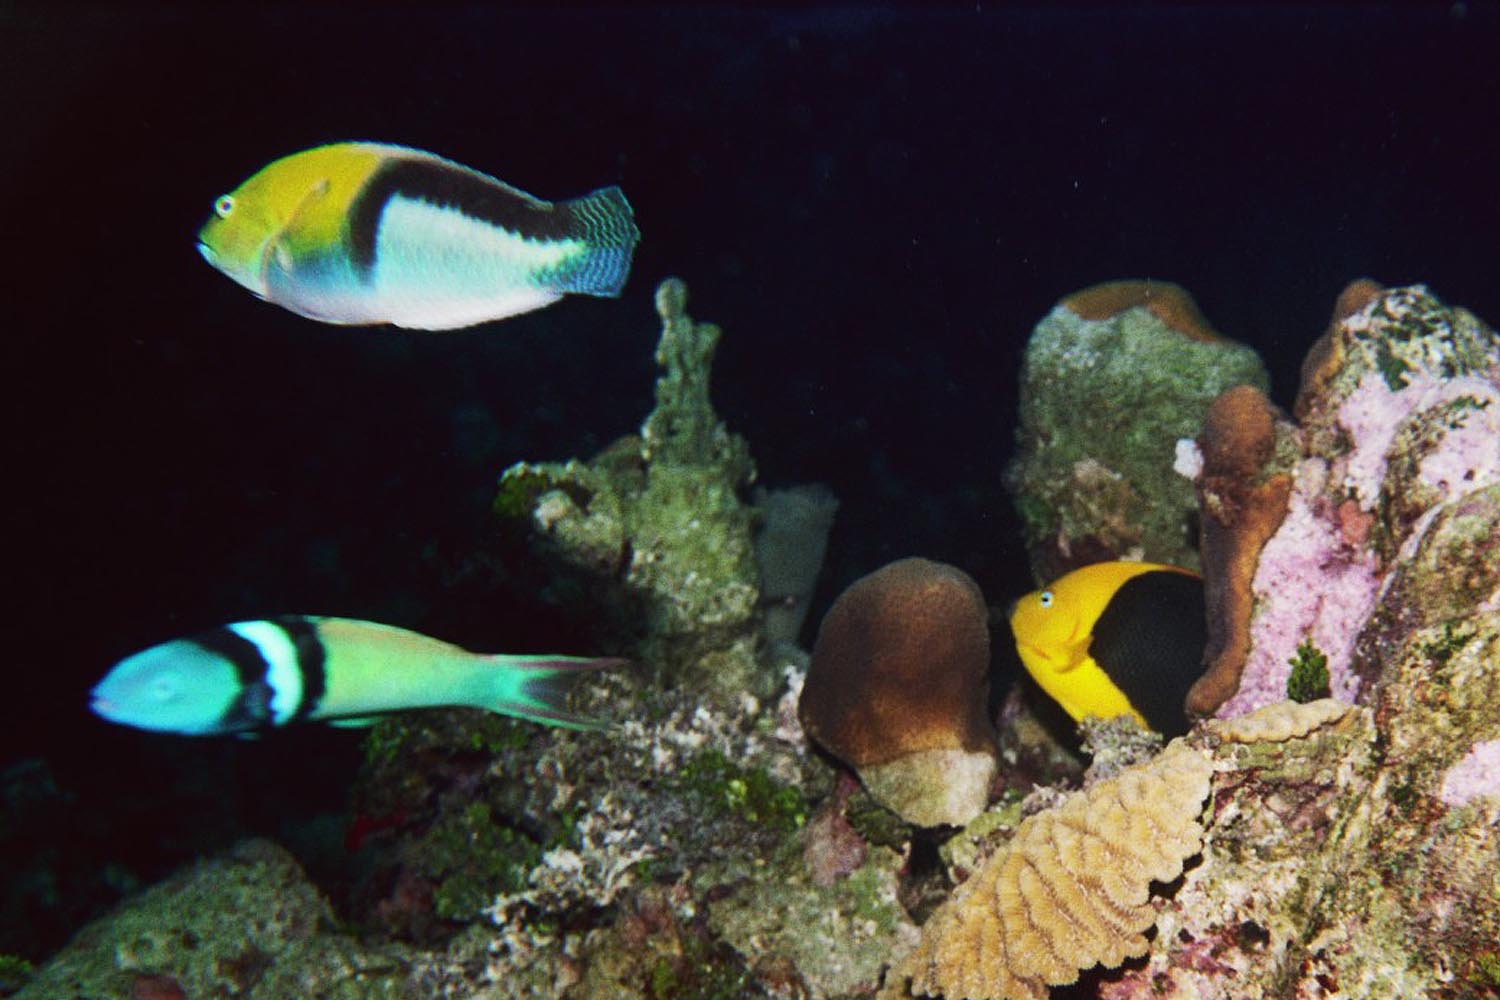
1150	640
251	707
312	662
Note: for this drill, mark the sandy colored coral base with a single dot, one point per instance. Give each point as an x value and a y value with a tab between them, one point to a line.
933	787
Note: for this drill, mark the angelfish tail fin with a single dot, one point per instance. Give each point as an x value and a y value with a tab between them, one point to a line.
536	687
605	222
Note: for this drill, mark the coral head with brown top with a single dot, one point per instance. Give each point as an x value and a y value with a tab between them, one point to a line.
898	687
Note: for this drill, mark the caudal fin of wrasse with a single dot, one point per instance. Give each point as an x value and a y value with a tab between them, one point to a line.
605	222
537	687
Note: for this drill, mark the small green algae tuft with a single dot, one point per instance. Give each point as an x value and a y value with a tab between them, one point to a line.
1309	677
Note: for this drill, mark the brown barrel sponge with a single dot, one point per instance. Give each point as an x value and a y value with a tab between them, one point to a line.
898	687
1243	494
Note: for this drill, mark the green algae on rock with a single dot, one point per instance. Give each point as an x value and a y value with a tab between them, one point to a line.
836	937
245	924
1113	377
654	531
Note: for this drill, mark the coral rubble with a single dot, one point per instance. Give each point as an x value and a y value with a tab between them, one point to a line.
1112	377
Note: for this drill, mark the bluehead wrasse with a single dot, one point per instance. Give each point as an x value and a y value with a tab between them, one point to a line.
1116	638
361	233
260	674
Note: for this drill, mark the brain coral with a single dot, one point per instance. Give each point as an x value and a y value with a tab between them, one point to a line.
1071	890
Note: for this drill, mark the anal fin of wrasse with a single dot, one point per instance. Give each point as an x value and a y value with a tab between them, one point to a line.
537	687
357	721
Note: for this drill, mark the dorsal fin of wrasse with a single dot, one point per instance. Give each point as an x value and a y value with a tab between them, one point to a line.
543	686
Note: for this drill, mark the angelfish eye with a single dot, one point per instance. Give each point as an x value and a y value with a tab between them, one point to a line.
224	206
1045	598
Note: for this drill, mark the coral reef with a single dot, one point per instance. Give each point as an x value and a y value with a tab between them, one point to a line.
1339	848
1400	418
1112	377
898	686
1350	850
1070	890
653	531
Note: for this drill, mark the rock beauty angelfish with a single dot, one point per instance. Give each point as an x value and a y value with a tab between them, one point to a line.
1116	638
364	233
258	674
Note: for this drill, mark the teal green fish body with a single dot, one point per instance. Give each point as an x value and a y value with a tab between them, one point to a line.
365	233
258	674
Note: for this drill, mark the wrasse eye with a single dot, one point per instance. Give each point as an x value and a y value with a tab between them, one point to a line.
1045	598
224	206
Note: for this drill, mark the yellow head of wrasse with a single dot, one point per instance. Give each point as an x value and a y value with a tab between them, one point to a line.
1150	648
365	233
311	188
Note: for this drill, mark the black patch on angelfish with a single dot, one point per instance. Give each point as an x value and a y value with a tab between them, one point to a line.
312	662
1150	640
450	186
251	708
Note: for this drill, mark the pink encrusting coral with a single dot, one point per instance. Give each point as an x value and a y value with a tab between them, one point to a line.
1310	585
1478	773
1402	419
1373	415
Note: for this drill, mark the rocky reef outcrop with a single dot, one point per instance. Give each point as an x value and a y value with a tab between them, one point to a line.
1113	376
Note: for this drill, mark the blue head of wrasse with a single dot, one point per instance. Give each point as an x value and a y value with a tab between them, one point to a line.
260	674
367	233
176	687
